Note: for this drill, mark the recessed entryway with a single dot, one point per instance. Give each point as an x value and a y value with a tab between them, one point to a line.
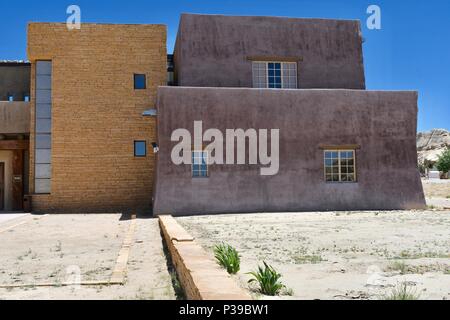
2	186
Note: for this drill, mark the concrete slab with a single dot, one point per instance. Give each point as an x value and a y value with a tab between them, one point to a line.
4	217
46	252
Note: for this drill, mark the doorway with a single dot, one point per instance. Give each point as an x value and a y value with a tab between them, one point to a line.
2	186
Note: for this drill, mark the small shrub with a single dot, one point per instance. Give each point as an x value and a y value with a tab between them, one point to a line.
398	266
268	279
227	257
443	163
403	292
308	259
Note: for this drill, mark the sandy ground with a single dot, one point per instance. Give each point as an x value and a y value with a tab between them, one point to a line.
437	193
357	255
59	248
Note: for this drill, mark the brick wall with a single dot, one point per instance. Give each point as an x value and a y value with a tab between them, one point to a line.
97	114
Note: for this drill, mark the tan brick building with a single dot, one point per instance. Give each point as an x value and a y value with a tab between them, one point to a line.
90	146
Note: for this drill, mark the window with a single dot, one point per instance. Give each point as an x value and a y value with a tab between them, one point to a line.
140	81
10	98
199	164
340	166
140	149
26	98
277	75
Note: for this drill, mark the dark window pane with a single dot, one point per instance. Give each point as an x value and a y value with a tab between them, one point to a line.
139	81
140	148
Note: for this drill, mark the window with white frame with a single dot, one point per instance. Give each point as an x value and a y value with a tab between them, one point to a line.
276	75
199	164
340	165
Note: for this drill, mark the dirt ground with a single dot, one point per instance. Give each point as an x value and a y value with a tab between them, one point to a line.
64	248
341	255
437	193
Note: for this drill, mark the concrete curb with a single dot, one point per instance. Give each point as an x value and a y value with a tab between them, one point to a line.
200	277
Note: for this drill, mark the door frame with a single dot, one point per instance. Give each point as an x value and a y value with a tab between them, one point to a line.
2	186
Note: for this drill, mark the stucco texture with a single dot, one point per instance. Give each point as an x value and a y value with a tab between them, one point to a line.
14	117
217	51
382	124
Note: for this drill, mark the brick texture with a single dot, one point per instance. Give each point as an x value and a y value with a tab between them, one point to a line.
97	114
200	276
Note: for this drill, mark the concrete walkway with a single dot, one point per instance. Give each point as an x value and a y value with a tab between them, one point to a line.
4	217
40	255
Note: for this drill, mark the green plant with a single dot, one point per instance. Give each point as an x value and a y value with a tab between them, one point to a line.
403	292
268	279
308	259
227	257
443	163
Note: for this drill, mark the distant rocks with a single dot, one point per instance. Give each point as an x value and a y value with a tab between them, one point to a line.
430	145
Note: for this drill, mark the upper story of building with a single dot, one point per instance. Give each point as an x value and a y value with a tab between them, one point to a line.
268	52
14	80
14	98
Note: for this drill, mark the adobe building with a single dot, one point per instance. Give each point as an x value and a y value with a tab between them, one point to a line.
99	110
89	149
340	147
14	133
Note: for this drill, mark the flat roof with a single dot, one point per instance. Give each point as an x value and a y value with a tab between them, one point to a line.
13	63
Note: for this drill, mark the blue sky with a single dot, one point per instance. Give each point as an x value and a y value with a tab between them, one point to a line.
411	51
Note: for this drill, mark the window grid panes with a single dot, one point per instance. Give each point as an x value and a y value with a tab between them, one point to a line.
340	166
275	75
199	164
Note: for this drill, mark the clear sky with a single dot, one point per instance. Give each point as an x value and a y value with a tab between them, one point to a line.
411	51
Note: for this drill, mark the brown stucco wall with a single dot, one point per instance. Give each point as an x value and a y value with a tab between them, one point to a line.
14	117
383	124
14	80
213	50
97	114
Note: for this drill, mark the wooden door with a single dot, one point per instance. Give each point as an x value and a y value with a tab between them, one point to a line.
2	186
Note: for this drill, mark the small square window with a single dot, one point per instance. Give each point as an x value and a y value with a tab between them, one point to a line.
340	166
10	98
140	149
26	99
199	164
140	82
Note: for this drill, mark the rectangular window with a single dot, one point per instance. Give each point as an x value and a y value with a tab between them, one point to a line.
10	98
199	164
140	82
26	98
140	149
340	165
276	75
